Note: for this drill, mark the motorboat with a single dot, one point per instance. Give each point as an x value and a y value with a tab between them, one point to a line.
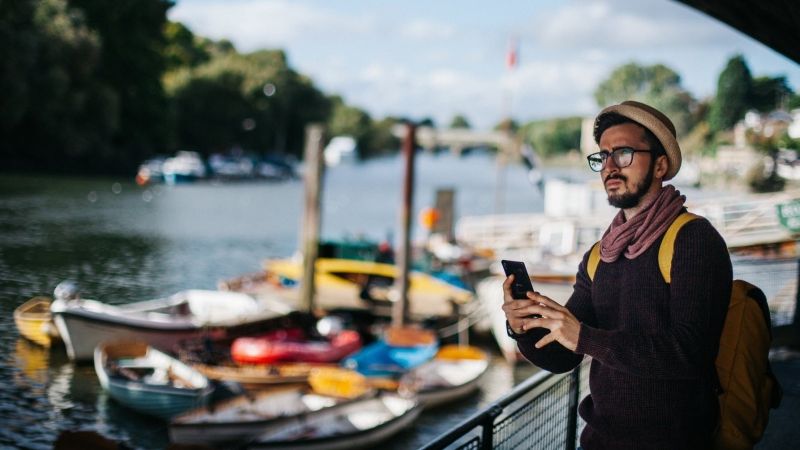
354	284
163	322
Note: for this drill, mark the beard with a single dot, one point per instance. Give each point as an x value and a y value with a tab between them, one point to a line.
631	199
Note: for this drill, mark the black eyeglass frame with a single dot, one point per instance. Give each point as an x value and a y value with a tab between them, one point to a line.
616	154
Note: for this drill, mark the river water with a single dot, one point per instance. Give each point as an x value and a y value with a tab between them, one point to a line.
124	243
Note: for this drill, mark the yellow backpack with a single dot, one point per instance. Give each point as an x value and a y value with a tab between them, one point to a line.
747	386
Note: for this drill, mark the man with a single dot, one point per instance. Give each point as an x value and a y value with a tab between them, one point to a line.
652	344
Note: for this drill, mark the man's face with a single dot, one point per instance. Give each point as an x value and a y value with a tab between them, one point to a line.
626	186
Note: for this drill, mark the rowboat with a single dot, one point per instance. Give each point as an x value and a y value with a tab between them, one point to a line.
34	321
293	345
190	314
453	374
144	379
260	376
357	424
245	417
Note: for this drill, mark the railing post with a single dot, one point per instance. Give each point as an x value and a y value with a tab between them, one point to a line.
574	397
487	428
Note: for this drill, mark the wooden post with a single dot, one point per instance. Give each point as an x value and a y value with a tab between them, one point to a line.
445	199
400	308
314	169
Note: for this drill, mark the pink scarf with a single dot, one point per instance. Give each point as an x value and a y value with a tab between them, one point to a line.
638	234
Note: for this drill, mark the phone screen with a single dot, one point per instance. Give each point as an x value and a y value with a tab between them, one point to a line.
522	281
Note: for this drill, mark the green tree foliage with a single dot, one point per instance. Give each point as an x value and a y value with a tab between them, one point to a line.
794	101
507	125
734	91
254	100
554	136
132	62
769	93
381	140
183	48
350	121
57	114
459	121
656	85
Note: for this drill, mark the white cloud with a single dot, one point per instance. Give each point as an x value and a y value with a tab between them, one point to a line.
626	24
423	29
255	24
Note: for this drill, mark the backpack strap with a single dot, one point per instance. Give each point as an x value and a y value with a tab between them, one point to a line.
594	260
667	248
665	251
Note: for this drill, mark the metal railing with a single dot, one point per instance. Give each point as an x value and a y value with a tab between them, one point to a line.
541	413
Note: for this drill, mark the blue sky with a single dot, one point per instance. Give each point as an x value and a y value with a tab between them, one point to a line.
432	58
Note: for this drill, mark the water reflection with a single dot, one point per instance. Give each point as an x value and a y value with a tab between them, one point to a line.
33	363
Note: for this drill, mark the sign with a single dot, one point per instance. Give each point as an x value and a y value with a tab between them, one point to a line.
789	215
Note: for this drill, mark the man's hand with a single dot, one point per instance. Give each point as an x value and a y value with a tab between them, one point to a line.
511	307
564	327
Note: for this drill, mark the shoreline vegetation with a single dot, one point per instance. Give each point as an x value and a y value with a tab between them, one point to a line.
194	93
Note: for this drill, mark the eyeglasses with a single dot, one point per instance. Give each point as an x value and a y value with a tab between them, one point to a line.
623	157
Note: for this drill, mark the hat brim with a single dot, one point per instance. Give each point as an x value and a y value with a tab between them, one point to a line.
657	127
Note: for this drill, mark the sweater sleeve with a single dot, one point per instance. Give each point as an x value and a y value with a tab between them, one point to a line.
699	296
555	357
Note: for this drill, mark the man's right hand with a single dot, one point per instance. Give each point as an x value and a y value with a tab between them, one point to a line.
512	307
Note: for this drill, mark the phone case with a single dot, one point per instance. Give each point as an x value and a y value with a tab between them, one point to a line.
522	281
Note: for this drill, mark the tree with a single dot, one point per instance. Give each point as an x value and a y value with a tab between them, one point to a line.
769	93
57	114
734	90
132	62
554	136
350	121
656	85
460	121
183	48
253	100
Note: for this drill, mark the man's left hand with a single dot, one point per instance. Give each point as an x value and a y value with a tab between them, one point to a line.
564	327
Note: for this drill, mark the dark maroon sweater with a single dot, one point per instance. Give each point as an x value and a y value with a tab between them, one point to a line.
652	344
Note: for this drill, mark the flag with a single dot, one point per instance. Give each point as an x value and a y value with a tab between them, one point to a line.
512	57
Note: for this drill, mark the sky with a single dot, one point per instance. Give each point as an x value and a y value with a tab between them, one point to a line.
440	58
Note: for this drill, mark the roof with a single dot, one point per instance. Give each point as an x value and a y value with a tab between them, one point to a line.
774	23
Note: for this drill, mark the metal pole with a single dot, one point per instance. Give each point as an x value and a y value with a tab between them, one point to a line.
312	216
400	308
574	398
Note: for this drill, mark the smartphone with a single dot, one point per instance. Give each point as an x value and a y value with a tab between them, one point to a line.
522	281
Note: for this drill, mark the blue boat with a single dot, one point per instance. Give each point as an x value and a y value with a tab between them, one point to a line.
392	357
144	379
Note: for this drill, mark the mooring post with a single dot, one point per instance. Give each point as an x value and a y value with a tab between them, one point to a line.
400	308
314	169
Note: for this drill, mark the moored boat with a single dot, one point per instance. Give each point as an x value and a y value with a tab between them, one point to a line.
399	351
357	424
453	374
190	314
241	418
34	321
149	381
293	345
354	285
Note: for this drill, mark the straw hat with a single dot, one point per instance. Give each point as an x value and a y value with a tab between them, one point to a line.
655	121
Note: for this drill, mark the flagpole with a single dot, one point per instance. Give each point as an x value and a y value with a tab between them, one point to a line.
512	57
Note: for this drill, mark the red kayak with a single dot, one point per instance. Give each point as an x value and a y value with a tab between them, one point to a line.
277	347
